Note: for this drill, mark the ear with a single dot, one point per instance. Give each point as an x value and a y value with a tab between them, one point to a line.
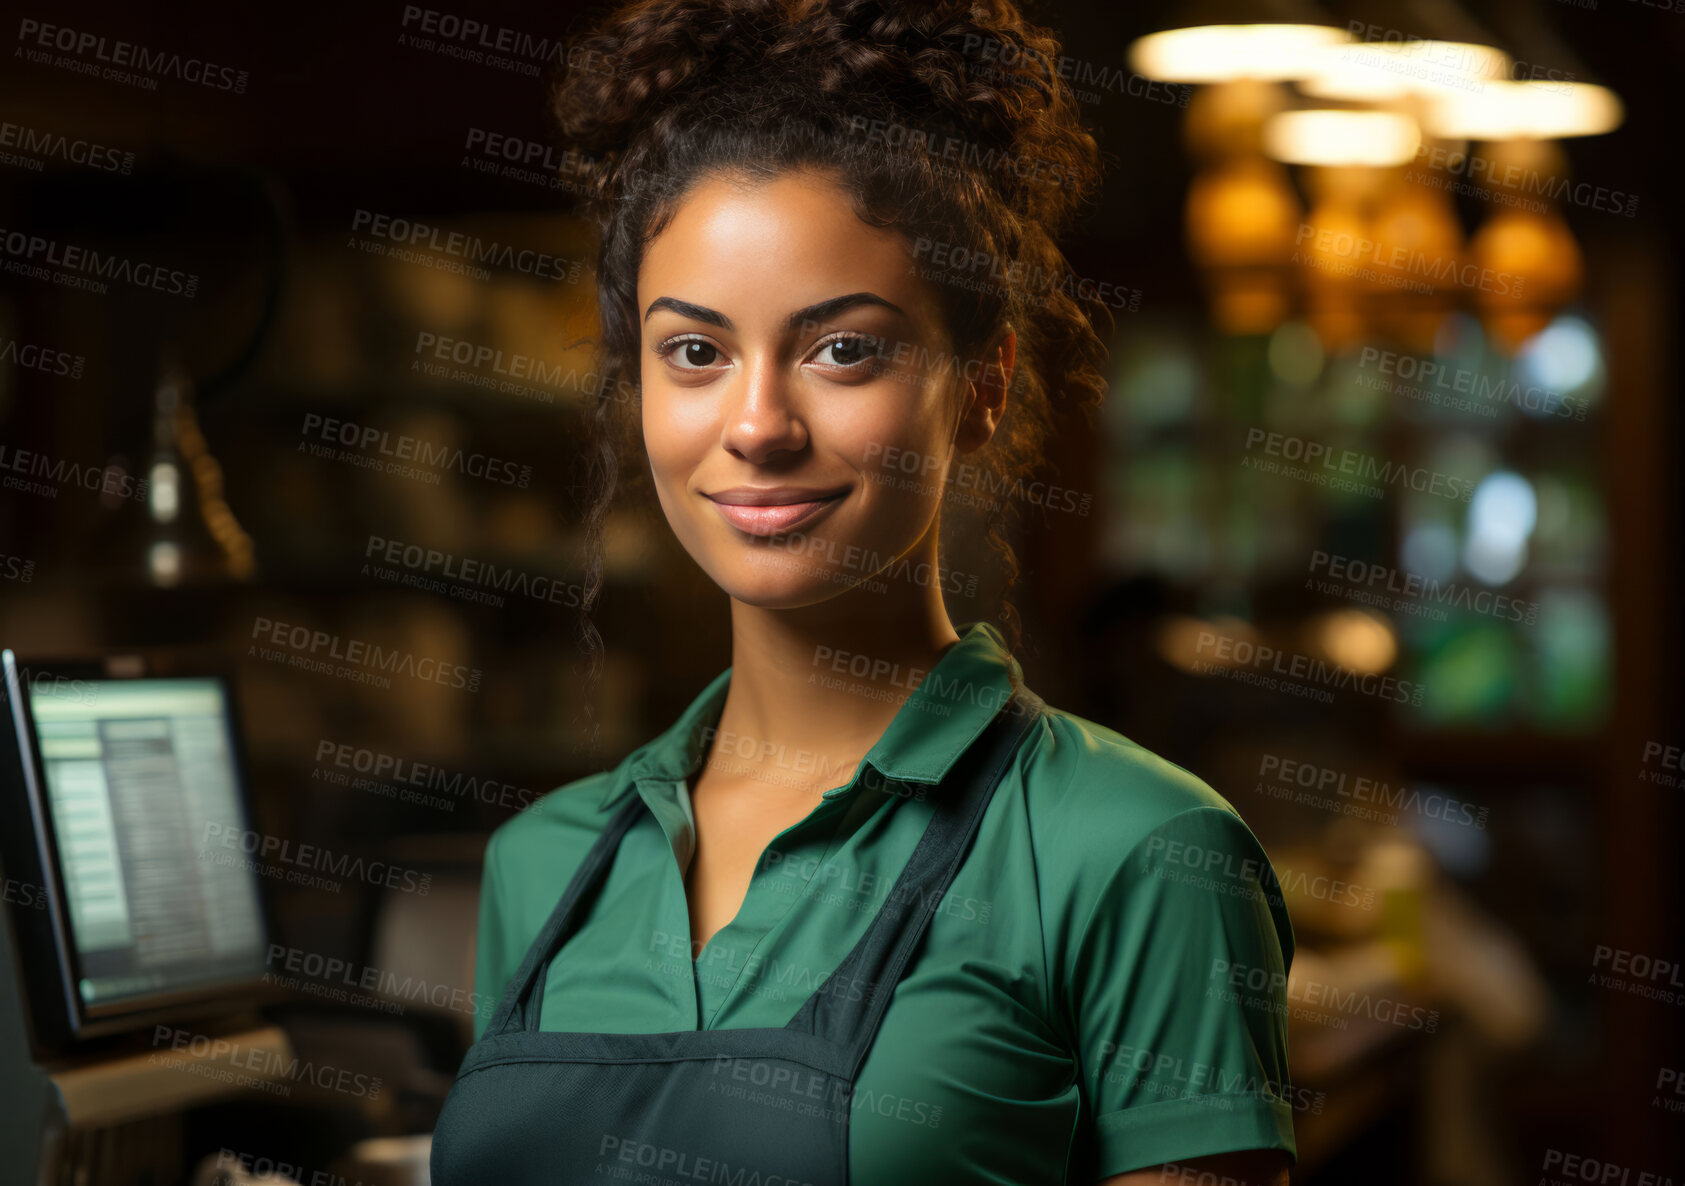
987	383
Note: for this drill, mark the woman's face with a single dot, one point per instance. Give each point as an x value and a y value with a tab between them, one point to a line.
801	402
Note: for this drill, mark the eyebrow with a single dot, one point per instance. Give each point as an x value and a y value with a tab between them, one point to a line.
815	312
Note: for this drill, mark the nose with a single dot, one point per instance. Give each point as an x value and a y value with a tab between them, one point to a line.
761	417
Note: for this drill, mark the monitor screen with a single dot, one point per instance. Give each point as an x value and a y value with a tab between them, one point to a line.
134	770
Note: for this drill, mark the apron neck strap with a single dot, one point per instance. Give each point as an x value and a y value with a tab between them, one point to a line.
850	1018
521	1001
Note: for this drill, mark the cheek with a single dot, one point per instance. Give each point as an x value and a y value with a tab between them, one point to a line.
676	435
901	447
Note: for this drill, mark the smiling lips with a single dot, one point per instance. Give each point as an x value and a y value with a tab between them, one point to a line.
767	510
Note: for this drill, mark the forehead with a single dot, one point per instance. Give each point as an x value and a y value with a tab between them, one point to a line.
756	249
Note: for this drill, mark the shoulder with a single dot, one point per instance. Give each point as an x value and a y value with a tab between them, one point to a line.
529	861
1121	835
546	841
1096	794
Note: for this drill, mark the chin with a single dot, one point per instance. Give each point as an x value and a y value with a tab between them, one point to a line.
785	583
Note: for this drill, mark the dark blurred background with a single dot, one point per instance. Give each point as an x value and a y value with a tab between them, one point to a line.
1518	820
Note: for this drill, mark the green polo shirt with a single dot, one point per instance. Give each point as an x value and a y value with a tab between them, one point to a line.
1102	989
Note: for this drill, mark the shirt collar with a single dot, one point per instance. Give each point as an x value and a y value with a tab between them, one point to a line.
946	712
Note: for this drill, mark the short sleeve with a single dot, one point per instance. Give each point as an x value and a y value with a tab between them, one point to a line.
1177	992
491	944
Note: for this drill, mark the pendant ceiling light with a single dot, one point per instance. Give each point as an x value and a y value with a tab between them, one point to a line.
1407	47
1550	93
1533	110
1330	137
1214	41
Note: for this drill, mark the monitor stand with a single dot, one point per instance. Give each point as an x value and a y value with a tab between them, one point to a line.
48	1103
34	1116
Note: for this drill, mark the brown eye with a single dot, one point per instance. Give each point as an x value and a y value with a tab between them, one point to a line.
846	352
697	353
689	354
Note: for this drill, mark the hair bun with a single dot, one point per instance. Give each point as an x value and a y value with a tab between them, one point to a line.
972	70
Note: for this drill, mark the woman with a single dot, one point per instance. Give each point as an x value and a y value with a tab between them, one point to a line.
869	911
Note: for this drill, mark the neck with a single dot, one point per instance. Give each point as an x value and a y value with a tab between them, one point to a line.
821	683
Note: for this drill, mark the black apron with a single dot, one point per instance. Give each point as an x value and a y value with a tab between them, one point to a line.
751	1107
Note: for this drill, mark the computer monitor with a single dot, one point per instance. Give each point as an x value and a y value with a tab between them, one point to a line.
121	780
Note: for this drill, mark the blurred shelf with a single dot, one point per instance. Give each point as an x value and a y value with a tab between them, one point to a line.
283	578
1522	756
1346	1080
157	1083
268	397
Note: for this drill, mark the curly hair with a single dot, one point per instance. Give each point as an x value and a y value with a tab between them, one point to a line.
945	120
